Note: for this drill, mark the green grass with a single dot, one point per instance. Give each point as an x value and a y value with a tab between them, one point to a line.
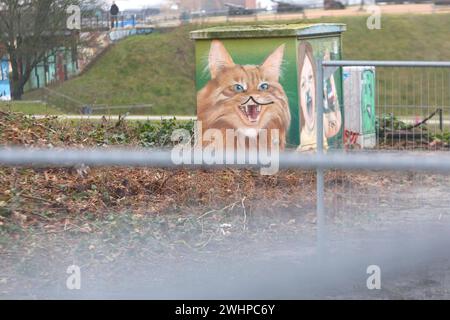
401	37
29	108
155	69
158	69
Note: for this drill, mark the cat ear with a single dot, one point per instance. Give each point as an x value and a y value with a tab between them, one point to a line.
272	65
219	58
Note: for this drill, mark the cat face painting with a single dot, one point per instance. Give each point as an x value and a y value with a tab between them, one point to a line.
246	98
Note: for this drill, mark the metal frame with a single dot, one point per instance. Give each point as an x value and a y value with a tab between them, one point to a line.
121	157
371	63
319	161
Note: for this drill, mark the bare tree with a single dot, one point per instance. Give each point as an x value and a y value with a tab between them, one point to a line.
29	29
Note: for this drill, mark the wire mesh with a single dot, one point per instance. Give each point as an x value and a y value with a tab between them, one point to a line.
412	101
129	218
413	108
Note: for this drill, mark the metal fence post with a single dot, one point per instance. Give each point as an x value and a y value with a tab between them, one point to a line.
320	207
319	105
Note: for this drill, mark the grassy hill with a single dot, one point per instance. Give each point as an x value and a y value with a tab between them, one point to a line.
29	107
158	69
146	69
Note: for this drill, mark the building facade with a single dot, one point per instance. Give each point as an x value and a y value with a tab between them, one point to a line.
212	5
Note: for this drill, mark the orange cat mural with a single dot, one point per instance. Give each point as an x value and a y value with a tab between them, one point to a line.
246	98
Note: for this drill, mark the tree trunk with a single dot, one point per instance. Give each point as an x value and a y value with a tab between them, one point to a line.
17	91
17	77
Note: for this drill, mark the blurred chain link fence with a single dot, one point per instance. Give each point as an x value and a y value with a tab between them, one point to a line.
399	107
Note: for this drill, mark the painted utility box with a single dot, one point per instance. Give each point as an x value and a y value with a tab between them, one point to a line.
359	107
263	77
5	88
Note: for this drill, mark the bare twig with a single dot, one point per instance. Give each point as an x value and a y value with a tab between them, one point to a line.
230	206
245	214
37	198
41	216
204	244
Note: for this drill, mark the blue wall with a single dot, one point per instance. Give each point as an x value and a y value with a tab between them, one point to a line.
5	89
58	66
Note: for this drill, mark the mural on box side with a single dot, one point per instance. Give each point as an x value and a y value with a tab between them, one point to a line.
332	122
368	101
360	116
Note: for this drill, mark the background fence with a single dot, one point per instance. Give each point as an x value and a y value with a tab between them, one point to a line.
412	101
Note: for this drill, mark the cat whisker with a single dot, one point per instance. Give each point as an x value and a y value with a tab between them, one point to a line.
256	102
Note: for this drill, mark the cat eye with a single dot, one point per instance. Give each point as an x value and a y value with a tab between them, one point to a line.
264	86
238	88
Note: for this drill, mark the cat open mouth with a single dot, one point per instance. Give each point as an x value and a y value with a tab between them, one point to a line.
251	111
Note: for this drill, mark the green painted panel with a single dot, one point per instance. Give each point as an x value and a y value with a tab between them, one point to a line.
368	101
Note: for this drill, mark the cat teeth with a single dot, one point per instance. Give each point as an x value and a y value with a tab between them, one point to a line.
249	111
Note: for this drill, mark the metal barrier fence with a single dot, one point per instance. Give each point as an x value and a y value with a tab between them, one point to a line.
320	161
18	157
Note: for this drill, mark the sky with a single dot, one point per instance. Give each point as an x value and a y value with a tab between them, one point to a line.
132	4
